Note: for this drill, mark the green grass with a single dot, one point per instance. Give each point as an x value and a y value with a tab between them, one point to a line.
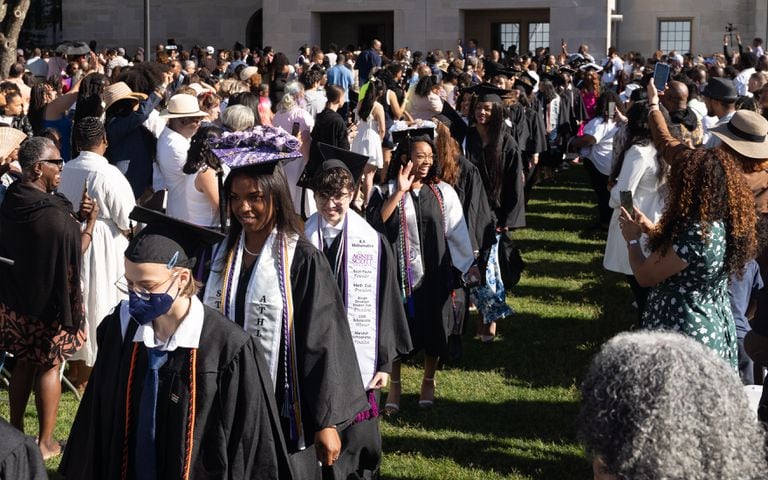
508	410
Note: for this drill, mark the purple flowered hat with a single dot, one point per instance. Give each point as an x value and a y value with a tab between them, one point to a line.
260	145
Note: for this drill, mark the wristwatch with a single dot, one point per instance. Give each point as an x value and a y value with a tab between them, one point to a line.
633	242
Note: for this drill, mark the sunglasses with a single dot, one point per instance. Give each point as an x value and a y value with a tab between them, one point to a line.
56	161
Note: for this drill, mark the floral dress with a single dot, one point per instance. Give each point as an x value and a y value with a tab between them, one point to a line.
695	301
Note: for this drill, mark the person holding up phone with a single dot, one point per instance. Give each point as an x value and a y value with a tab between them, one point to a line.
597	151
636	181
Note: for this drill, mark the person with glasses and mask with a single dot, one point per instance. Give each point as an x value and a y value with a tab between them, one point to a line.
184	117
41	304
177	391
423	218
366	273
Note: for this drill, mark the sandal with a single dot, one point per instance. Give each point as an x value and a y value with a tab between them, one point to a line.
393	408
427	400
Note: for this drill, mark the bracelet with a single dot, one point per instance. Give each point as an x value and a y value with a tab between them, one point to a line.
633	242
88	233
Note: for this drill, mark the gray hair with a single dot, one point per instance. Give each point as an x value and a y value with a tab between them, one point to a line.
661	405
32	150
238	118
291	95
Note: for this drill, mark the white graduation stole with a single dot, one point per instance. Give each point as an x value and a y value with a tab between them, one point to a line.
361	260
414	259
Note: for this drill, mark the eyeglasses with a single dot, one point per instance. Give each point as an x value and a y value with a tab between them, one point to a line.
325	197
56	161
125	287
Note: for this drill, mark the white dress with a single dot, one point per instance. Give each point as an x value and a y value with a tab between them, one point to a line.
197	208
103	262
368	142
639	175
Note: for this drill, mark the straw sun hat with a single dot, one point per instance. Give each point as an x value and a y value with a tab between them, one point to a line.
182	105
120	91
10	139
746	132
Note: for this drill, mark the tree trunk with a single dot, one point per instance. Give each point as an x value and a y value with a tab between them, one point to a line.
12	15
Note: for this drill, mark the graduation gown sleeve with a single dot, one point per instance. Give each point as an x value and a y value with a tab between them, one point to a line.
512	210
394	336
477	212
19	456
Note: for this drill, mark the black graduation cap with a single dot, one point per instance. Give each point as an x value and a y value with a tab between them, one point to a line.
455	123
487	93
399	136
167	240
527	82
335	157
567	69
556	79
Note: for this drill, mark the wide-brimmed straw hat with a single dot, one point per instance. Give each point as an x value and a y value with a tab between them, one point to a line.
182	105
746	132
248	72
120	91
10	139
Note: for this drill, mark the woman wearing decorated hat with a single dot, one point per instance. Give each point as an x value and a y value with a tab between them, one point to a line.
270	280
177	391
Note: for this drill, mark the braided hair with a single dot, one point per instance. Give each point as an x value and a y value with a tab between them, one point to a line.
88	133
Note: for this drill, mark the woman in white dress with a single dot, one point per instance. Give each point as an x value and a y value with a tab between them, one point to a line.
639	169
201	190
370	132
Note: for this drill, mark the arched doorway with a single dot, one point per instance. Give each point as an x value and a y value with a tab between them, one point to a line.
254	31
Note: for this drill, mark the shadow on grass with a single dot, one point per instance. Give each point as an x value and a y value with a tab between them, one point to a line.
517	428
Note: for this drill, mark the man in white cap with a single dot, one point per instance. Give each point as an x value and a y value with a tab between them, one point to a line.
209	61
184	117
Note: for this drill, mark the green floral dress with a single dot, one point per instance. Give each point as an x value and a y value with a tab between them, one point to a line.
695	301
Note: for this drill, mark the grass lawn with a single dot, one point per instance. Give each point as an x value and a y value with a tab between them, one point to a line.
508	410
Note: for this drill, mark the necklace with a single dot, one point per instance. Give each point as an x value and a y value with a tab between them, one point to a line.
248	251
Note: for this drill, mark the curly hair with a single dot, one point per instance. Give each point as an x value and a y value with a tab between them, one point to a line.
448	151
647	416
709	187
591	83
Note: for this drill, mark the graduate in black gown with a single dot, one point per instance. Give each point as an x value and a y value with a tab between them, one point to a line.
177	390
423	218
330	128
268	279
366	273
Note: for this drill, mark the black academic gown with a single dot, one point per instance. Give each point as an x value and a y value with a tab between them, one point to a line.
236	426
572	105
519	121
510	210
330	128
481	221
329	378
434	317
537	130
20	457
361	442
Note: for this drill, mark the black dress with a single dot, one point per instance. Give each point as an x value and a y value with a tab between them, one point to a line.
236	429
19	455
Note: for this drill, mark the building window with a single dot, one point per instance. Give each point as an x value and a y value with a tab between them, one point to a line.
538	36
675	35
509	34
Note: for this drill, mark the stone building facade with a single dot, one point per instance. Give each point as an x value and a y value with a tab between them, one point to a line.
642	25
